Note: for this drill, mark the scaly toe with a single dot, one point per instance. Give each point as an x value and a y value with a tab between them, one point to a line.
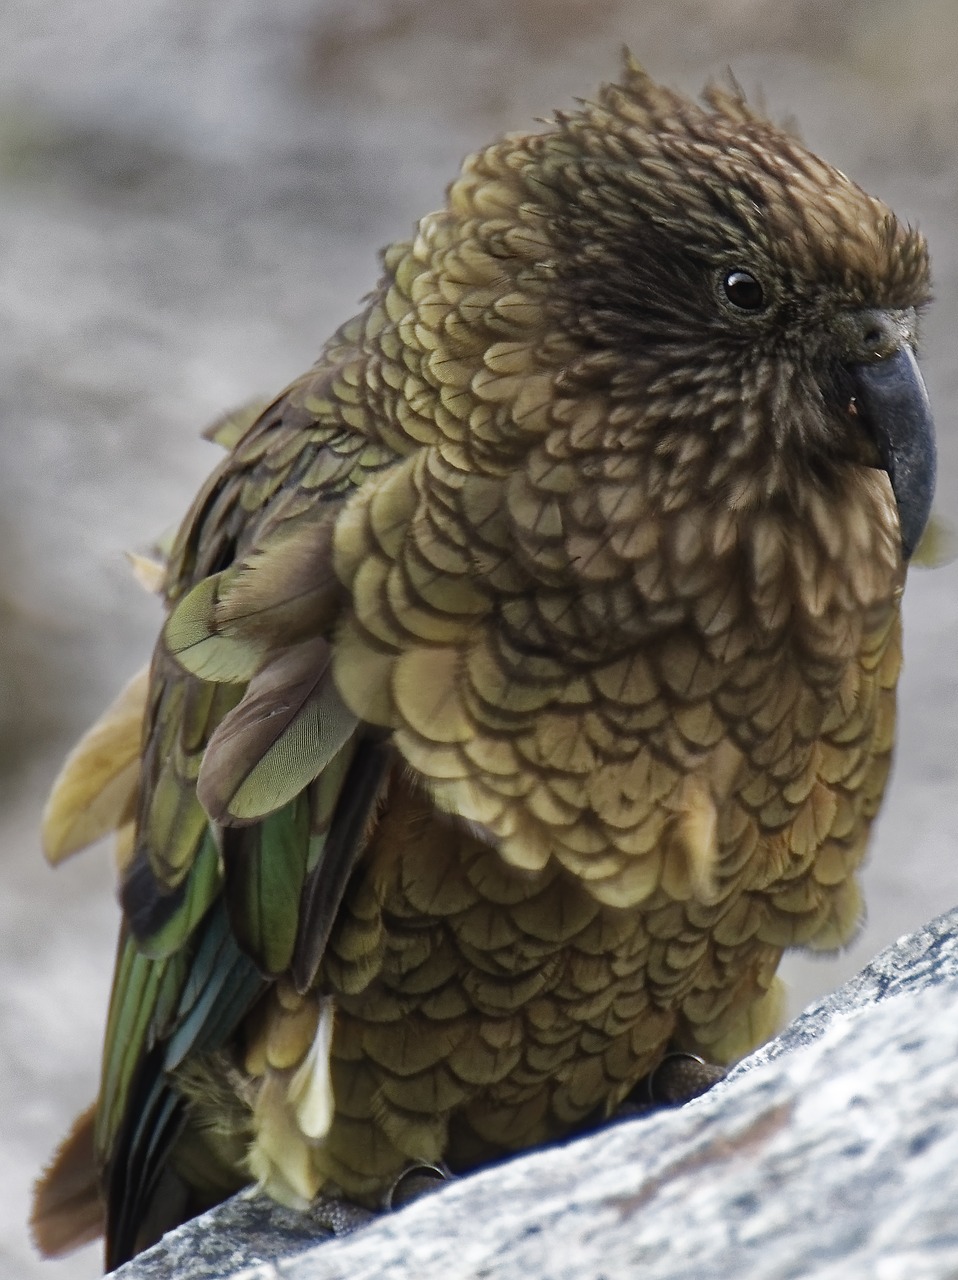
341	1217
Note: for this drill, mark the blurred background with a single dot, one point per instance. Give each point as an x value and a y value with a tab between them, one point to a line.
192	195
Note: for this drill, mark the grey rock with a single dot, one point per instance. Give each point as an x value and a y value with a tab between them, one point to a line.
234	1240
829	1153
924	959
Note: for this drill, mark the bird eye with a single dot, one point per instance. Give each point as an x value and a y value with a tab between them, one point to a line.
743	291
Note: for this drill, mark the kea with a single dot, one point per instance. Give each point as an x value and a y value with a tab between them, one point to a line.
527	685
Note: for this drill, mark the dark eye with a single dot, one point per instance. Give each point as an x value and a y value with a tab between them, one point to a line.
744	291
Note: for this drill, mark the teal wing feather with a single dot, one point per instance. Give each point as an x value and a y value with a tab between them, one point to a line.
162	1011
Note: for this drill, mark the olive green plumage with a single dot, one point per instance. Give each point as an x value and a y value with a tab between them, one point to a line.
528	681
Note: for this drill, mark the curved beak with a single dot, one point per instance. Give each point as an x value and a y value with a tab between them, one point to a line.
891	398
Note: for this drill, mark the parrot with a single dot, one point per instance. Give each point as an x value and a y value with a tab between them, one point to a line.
527	680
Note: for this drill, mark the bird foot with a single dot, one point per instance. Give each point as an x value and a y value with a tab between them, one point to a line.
342	1217
414	1182
339	1217
678	1078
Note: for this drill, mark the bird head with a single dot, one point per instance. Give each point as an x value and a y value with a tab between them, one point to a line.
748	313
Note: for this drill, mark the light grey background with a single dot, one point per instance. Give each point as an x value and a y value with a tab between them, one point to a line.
192	194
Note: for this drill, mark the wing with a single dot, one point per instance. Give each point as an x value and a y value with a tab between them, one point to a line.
255	781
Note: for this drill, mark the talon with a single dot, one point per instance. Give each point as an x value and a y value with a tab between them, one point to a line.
680	1077
416	1181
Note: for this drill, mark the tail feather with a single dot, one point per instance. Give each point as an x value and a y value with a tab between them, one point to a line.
68	1208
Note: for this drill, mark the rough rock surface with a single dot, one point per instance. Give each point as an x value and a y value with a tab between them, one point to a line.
829	1153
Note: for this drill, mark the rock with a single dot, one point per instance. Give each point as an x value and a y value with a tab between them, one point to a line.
828	1153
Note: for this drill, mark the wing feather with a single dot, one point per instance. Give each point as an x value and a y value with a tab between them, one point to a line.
92	793
161	1012
251	789
265	867
290	724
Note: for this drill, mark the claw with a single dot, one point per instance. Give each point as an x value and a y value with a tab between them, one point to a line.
415	1181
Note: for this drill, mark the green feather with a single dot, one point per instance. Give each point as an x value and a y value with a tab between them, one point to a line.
161	1013
220	986
175	826
230	428
326	796
290	724
192	637
145	995
201	889
265	866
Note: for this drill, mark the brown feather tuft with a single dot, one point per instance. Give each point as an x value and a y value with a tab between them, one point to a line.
68	1210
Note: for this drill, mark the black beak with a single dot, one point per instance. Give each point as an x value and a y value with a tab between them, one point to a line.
894	404
877	355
